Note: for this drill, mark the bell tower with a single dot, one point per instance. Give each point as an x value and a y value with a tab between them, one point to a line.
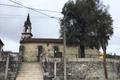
26	34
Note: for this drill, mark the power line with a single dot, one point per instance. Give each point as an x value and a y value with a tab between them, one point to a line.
29	8
11	5
48	10
7	16
33	9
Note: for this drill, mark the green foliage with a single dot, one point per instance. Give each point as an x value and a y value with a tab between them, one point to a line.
87	23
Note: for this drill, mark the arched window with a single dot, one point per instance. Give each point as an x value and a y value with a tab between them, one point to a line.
57	53
40	50
56	49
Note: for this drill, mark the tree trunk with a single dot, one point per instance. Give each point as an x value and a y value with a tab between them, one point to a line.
105	66
104	60
81	51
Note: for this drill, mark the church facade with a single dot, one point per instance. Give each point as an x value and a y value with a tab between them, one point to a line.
32	48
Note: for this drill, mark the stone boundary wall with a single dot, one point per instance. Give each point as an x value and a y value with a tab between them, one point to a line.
90	59
79	60
83	68
2	69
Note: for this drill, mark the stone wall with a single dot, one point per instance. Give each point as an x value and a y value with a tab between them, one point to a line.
2	69
13	68
31	51
86	69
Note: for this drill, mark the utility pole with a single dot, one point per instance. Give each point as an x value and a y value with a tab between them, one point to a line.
7	65
64	56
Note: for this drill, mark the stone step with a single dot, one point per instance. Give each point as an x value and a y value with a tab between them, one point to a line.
28	74
30	71
26	78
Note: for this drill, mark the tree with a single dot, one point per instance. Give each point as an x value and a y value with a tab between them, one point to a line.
87	23
104	32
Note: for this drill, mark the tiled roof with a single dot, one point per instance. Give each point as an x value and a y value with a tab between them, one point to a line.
42	40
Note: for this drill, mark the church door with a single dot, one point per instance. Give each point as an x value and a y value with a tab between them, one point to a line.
40	48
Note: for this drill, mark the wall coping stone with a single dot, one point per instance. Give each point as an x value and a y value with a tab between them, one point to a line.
91	60
80	60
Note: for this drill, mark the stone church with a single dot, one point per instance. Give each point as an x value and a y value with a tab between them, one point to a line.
41	59
32	48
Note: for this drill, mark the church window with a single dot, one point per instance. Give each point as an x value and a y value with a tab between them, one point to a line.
40	50
57	53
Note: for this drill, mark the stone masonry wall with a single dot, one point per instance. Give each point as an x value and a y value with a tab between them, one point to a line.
86	69
31	50
92	69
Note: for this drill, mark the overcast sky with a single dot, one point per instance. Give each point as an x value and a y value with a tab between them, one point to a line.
12	21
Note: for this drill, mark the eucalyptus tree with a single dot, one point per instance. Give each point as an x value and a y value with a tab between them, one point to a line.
87	23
